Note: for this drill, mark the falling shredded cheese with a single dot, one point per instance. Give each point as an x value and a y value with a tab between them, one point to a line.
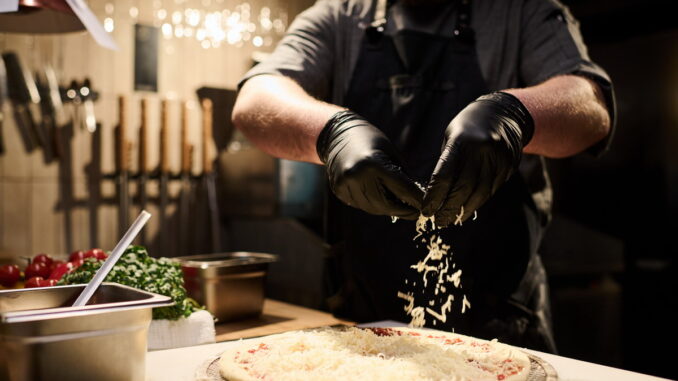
442	316
438	260
409	298
457	222
465	304
455	278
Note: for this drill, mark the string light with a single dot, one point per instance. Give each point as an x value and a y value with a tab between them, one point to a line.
210	29
109	23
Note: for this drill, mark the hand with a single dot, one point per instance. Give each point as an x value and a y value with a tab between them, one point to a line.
363	169
482	148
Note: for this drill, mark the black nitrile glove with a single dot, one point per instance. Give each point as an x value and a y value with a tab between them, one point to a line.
481	150
363	169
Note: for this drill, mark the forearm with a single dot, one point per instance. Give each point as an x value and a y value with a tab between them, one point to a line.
280	118
569	114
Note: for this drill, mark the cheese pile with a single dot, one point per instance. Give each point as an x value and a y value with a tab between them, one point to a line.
365	354
436	269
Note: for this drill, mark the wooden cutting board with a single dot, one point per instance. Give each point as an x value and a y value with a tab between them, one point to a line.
276	317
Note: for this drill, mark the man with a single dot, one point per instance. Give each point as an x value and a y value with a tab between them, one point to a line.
445	108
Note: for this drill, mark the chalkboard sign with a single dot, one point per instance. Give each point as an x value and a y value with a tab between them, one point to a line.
145	58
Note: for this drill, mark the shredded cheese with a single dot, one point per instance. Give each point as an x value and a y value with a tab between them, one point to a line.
442	316
410	300
438	261
459	216
373	354
465	304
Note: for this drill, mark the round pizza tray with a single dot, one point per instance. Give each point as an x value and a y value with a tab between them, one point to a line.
540	370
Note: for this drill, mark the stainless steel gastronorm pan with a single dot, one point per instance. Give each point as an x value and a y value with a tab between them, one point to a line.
43	338
230	285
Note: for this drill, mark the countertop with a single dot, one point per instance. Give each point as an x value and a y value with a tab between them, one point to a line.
180	364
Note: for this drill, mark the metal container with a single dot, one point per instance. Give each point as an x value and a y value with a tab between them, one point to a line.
230	285
43	338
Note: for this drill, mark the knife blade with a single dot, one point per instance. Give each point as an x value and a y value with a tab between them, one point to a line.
58	114
27	94
55	95
20	95
48	113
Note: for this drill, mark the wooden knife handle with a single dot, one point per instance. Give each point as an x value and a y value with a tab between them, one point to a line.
143	137
164	133
206	135
190	151
122	146
186	149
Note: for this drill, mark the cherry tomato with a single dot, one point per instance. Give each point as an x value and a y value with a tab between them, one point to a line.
95	253
60	270
54	265
77	263
9	275
79	254
43	258
33	282
36	269
47	282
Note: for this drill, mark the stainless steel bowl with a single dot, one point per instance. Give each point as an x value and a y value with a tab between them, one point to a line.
230	285
43	338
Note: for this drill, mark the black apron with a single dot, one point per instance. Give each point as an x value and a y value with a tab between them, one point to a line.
411	85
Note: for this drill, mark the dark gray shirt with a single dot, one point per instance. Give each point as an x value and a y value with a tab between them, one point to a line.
519	43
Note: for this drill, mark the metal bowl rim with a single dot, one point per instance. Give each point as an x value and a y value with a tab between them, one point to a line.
226	259
154	300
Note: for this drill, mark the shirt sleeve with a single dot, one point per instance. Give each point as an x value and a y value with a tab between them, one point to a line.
551	45
306	53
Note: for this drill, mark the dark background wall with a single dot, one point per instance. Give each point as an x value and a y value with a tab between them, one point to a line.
617	306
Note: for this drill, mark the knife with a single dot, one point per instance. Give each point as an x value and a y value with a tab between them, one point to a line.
50	104
20	95
143	163
164	176
55	95
27	95
58	114
122	148
209	183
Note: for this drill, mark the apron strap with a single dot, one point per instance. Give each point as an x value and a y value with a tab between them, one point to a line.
462	26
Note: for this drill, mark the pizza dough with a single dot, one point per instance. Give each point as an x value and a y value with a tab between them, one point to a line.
373	354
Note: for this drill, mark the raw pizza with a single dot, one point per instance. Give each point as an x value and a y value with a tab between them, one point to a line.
373	354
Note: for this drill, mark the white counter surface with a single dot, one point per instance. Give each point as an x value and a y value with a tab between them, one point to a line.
180	365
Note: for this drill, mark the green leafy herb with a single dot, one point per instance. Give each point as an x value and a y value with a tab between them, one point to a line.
137	269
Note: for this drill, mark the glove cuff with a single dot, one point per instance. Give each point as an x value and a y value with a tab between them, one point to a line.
516	110
332	128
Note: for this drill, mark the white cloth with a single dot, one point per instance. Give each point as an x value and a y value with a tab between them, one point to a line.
194	330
